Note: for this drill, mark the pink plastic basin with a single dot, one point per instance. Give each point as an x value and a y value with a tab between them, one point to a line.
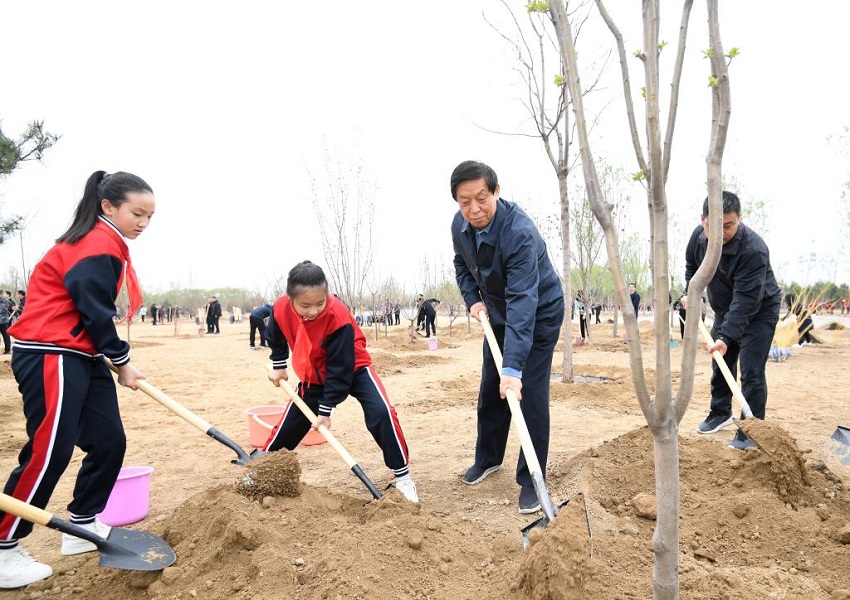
130	498
261	421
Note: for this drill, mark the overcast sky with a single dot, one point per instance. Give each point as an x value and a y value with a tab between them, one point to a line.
225	108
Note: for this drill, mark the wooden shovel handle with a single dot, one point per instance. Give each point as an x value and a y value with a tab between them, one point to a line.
727	374
513	401
26	511
311	416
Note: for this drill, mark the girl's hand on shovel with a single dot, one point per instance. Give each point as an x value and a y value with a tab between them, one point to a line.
275	375
513	383
128	374
321	420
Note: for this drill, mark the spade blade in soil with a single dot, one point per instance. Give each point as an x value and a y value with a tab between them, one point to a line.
135	551
542	522
840	449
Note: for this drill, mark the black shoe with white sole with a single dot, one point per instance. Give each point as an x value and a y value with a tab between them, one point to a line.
476	474
528	501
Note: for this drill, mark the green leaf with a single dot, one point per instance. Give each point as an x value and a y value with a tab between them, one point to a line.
712	81
708	53
559	80
661	45
733	53
638	176
537	6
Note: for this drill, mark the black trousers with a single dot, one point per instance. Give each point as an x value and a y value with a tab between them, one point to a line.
752	352
380	415
430	326
7	343
69	401
494	415
257	324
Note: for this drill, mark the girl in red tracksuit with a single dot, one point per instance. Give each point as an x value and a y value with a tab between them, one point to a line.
69	395
330	359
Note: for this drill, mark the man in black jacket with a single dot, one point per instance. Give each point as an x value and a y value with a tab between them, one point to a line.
746	299
502	267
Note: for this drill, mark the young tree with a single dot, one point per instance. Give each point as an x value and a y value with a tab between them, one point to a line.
343	202
588	237
537	63
662	412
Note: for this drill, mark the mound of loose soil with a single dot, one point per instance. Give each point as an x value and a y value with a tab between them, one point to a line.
275	474
740	537
753	524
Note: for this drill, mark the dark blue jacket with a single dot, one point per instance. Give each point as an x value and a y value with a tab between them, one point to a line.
261	312
511	273
743	285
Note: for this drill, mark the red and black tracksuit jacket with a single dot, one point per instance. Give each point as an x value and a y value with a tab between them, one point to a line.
69	395
329	356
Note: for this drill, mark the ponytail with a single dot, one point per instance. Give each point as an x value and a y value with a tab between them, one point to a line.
100	185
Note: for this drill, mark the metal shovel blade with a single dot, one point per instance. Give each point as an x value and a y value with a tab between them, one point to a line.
840	445
135	551
542	522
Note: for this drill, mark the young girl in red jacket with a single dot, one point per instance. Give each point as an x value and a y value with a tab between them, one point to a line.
328	354
69	395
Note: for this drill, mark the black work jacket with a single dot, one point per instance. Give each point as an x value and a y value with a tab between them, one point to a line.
743	286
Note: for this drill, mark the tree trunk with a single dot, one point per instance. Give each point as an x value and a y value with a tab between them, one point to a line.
665	539
567	365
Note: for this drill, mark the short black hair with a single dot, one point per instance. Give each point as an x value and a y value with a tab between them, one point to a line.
470	170
731	204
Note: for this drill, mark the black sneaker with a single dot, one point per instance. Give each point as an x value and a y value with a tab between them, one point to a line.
714	423
476	474
528	501
741	441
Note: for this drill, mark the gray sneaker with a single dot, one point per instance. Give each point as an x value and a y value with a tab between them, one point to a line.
741	442
476	474
714	423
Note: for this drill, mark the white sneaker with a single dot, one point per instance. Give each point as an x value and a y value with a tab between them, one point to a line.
408	488
71	544
18	568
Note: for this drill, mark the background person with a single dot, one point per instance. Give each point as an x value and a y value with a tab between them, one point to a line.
429	308
7	309
634	297
257	320
503	268
69	394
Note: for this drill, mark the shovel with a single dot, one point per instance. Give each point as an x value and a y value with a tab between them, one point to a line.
331	438
733	385
179	409
549	510
837	453
838	445
123	549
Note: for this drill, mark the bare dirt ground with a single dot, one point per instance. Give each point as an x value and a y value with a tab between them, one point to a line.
746	531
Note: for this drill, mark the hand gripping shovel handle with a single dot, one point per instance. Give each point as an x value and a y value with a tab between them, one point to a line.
189	416
727	374
331	438
521	426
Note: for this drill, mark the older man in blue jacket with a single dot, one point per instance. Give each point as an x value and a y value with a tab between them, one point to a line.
502	267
